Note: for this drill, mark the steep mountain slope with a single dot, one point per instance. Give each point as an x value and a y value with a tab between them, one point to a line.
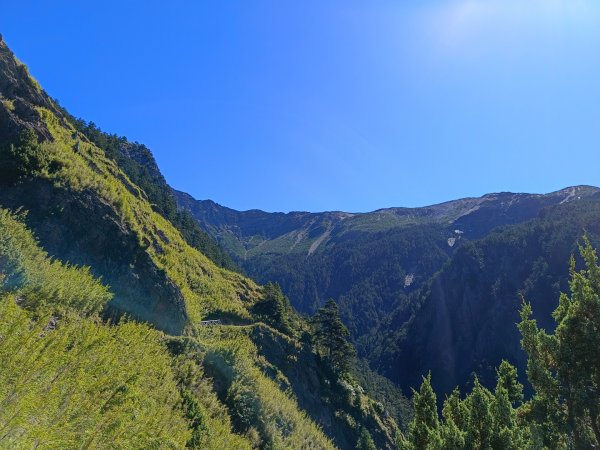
370	263
382	268
66	379
464	319
88	206
138	163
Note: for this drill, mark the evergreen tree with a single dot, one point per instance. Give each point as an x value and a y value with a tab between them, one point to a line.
481	421
22	157
455	416
365	441
331	338
507	379
508	432
424	429
564	367
274	309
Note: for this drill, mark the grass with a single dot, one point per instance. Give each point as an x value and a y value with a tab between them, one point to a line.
206	288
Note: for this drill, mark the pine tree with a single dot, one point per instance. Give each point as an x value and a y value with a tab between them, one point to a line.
455	416
507	379
424	428
481	420
331	338
274	308
564	367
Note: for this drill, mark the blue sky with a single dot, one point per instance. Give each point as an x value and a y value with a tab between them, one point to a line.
331	105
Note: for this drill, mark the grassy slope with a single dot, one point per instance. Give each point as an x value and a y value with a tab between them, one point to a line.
206	288
211	406
66	377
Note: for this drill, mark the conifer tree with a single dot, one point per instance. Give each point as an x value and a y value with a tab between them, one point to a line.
455	416
365	441
424	429
481	421
274	308
507	431
331	338
507	379
564	367
22	157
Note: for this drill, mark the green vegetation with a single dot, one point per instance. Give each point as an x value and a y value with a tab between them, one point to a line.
67	379
482	420
274	309
563	368
365	441
84	384
41	284
77	371
137	162
21	158
331	338
420	289
383	391
106	253
262	412
77	166
8	104
457	323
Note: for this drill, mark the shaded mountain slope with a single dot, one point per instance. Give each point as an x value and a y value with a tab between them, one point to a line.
465	319
315	256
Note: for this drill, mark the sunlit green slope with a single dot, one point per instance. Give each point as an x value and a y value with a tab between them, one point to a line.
123	362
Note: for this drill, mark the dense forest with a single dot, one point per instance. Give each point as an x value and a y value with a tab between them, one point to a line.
563	368
462	320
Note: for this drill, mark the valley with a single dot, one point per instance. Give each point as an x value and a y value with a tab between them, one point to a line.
135	316
417	287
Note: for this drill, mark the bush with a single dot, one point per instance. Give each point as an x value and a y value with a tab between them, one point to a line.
22	157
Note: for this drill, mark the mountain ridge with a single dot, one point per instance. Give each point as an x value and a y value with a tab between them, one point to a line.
568	191
382	267
212	215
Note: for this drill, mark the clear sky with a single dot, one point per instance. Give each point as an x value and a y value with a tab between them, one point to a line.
331	104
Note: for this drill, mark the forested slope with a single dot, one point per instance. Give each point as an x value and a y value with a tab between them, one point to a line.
462	322
435	288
